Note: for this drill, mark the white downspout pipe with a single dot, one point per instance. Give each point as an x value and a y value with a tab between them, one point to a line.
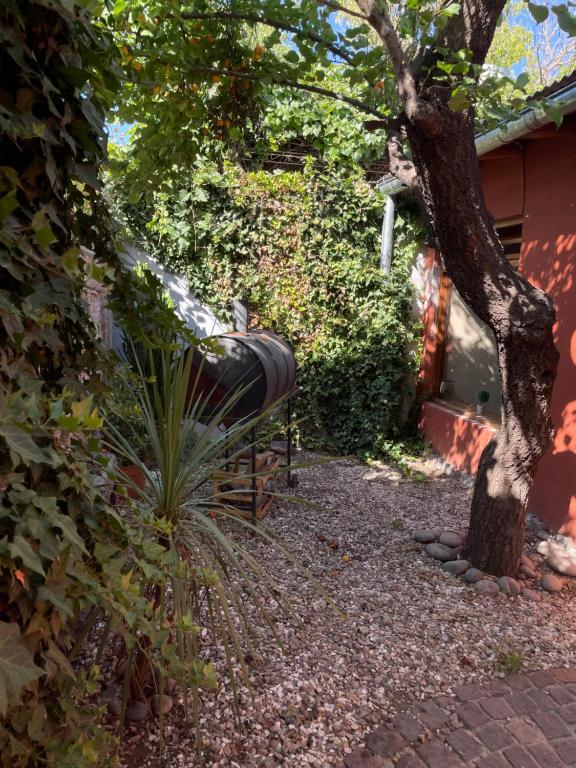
387	240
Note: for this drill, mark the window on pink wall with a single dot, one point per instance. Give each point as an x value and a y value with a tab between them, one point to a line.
470	358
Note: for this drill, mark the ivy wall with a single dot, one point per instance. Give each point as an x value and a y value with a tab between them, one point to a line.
303	247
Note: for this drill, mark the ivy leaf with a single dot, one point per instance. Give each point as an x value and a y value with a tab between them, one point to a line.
88	173
17	667
55	654
56	409
22	549
45	236
8	203
70	531
22	443
57	597
76	75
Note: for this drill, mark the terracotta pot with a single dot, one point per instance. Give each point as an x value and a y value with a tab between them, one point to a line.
136	476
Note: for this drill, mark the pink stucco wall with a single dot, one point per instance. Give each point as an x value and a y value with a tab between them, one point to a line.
535	178
459	439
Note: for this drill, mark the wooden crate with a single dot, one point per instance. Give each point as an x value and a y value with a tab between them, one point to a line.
232	489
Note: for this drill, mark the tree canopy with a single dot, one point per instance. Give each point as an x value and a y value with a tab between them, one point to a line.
233	77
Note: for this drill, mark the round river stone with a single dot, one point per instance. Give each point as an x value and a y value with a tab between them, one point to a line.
137	711
528	572
531	594
451	539
487	587
473	575
441	552
456	567
551	583
424	535
509	586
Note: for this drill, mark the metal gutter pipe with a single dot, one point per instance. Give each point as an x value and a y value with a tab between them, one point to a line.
387	240
527	121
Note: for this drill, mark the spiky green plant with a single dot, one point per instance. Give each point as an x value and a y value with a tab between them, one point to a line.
187	551
510	661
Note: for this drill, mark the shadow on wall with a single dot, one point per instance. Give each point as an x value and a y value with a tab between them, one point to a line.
552	266
459	439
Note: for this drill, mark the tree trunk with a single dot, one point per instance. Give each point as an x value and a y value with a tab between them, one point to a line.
521	318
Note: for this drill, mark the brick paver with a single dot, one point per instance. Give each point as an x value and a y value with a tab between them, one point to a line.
494	737
410	760
523	721
545	755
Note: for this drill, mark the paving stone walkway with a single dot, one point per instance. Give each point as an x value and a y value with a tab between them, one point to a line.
522	721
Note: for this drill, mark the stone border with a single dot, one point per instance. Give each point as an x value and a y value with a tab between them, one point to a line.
446	547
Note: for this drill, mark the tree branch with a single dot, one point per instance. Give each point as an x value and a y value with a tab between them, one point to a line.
400	165
382	24
415	109
383	125
342	9
359	105
255	19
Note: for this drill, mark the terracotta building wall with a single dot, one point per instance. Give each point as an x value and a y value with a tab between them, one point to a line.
548	259
535	178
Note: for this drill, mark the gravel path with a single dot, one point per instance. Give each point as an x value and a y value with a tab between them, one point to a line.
411	631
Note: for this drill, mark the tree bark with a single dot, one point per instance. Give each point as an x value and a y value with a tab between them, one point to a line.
521	318
447	176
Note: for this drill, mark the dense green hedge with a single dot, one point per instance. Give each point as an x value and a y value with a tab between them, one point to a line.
304	249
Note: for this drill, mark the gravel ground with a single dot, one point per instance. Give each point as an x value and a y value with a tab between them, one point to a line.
410	631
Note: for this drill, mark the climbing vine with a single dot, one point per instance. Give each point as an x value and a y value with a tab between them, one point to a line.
58	76
304	249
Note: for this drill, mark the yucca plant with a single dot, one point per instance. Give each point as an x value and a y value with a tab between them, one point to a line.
189	569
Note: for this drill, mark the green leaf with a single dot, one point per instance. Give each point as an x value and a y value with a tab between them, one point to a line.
451	10
8	203
45	236
459	100
555	113
56	409
70	531
292	57
22	549
566	20
57	597
76	75
55	654
22	443
88	173
37	722
539	12
17	667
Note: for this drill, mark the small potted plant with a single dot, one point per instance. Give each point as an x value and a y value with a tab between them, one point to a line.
481	399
